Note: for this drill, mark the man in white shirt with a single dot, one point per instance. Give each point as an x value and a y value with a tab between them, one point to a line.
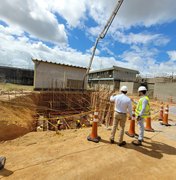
123	105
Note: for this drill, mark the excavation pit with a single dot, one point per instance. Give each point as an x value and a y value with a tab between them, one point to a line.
59	110
53	110
27	113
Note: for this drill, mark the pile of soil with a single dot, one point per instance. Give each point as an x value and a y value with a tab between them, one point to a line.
16	118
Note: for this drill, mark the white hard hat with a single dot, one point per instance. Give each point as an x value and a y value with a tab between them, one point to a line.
142	88
124	88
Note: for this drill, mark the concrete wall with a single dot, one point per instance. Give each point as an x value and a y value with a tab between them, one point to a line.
163	91
158	80
48	75
96	85
116	85
132	87
150	88
124	75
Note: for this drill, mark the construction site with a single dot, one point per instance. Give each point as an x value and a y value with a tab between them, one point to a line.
37	146
60	127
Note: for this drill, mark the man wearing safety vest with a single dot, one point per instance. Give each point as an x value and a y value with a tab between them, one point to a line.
142	112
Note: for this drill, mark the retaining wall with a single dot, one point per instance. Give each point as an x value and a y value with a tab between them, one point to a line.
165	91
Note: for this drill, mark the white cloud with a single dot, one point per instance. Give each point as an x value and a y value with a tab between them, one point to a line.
147	13
172	55
141	38
97	51
18	52
95	31
30	16
13	30
38	18
73	11
132	13
143	59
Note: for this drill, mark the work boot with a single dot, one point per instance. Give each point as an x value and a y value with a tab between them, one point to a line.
122	143
111	141
137	142
136	137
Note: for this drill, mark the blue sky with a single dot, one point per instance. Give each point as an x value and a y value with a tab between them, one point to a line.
142	36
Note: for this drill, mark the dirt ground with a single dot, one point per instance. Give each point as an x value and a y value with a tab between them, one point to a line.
47	155
16	119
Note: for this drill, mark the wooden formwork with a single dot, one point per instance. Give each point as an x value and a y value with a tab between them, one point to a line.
66	105
66	101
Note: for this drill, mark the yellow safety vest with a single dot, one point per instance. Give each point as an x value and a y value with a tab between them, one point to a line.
139	108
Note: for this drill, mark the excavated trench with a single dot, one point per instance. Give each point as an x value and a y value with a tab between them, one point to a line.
43	111
61	110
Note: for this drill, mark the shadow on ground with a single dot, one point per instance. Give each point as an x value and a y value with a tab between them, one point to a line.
153	149
5	172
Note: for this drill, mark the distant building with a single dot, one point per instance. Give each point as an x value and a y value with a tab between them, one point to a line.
16	75
111	77
49	75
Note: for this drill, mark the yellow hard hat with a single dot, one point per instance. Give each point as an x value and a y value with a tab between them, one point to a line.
78	121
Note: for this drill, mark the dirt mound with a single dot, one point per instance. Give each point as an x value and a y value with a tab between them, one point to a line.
16	119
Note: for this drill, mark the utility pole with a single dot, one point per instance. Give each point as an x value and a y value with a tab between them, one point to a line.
101	36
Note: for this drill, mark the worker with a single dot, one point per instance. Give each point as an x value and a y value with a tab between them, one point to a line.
2	162
40	128
142	112
90	119
78	124
83	125
59	124
122	105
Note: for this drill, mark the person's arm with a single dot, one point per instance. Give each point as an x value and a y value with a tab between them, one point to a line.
113	97
144	104
130	109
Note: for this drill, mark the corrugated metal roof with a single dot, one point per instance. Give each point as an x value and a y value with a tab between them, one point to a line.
114	68
101	79
50	62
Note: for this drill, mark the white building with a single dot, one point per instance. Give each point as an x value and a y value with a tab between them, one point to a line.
49	75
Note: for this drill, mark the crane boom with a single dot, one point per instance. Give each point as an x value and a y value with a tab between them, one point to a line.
102	35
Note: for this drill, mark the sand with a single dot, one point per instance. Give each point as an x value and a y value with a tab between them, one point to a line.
16	119
47	155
